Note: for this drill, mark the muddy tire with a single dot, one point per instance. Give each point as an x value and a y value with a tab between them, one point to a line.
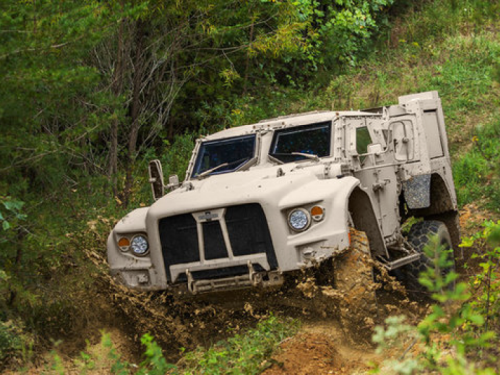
353	278
419	238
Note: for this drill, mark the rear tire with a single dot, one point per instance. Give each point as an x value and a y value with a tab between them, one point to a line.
419	238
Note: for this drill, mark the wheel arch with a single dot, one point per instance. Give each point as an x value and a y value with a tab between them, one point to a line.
363	216
442	207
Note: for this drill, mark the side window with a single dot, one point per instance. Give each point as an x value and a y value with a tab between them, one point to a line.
363	139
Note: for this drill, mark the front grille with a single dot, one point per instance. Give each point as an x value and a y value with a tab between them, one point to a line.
248	234
179	239
213	240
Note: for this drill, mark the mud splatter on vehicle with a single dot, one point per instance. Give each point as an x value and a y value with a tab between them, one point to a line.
312	205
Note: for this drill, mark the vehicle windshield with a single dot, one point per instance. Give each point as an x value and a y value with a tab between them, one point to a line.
295	143
224	155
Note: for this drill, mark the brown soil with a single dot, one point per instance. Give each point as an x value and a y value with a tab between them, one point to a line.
327	343
186	322
321	348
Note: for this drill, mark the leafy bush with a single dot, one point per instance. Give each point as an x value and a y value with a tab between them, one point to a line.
10	342
486	283
15	343
458	331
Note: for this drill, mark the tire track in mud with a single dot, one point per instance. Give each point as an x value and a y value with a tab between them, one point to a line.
353	303
326	342
183	321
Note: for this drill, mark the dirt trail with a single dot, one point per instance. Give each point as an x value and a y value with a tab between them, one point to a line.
327	342
322	348
331	339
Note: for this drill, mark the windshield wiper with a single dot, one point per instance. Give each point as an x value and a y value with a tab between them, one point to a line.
208	171
308	156
276	156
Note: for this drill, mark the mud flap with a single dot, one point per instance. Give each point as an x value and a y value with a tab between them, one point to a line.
417	191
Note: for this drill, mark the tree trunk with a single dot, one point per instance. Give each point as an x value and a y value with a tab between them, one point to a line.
17	263
247	62
135	110
116	87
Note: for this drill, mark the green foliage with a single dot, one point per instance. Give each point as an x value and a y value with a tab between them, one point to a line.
443	318
155	363
11	337
10	215
477	172
345	28
177	155
458	315
486	284
48	94
440	283
244	353
396	334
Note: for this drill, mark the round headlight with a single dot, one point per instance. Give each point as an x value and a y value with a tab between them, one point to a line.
139	245
299	219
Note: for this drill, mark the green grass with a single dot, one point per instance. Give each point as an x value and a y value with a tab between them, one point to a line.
246	353
477	172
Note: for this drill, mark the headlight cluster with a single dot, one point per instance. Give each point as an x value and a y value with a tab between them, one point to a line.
139	245
299	219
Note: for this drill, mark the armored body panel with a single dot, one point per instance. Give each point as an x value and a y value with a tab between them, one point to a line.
260	201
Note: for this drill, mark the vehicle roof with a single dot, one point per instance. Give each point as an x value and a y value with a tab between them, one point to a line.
287	121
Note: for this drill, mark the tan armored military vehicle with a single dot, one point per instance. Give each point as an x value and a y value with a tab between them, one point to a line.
260	201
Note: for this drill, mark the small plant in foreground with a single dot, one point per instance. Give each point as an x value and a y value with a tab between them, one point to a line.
155	363
242	354
487	282
452	331
246	353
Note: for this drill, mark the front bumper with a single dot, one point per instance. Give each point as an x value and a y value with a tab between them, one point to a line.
252	279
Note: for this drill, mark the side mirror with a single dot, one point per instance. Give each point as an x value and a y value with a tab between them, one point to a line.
173	182
156	179
375	148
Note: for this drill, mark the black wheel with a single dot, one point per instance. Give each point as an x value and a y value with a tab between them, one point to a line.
419	238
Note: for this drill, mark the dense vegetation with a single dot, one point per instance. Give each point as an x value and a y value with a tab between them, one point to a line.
93	90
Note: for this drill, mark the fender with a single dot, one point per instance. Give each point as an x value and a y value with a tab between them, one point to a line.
134	272
345	199
360	207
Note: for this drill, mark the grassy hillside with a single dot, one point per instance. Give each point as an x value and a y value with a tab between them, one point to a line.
451	46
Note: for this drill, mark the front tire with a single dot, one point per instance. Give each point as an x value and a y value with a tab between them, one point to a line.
353	278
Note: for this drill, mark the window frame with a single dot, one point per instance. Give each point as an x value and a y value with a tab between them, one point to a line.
298	129
198	160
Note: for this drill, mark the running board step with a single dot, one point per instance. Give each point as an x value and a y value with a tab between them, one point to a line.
401	261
